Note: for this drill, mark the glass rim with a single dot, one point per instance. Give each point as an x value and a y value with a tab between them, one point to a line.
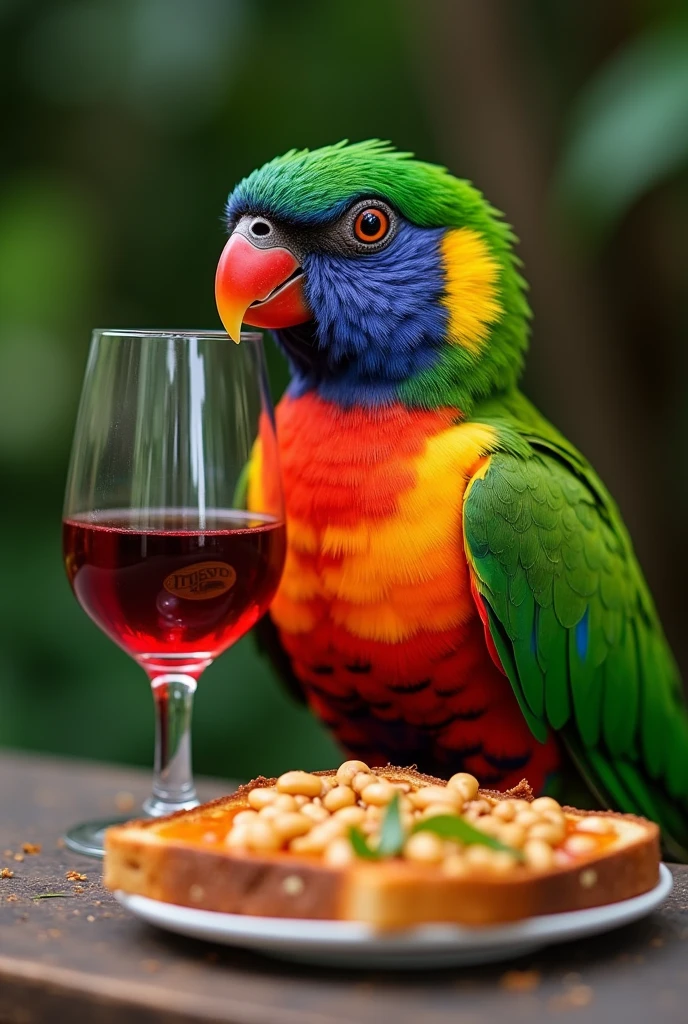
167	334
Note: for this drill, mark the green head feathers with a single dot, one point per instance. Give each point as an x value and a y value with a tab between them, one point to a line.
446	230
311	186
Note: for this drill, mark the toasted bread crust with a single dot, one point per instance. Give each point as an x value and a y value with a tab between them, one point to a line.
389	894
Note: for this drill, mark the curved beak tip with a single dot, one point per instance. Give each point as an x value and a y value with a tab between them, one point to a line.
230	307
246	276
232	320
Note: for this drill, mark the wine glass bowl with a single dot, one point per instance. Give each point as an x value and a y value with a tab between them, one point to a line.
159	548
172	592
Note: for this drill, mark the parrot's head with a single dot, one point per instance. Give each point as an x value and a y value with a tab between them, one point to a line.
384	278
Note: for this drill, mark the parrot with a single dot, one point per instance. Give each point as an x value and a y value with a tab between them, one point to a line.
459	591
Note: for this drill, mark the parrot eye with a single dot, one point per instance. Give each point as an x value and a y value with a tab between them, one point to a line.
371	225
259	227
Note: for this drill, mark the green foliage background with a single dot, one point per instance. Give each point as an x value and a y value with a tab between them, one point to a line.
124	126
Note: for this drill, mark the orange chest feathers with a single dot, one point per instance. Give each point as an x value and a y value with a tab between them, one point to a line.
374	501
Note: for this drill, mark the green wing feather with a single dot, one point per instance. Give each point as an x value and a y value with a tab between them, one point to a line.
573	621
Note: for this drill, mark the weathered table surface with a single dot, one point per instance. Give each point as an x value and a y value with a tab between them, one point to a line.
82	958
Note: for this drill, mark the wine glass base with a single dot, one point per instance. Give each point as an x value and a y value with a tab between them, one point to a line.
156	807
88	838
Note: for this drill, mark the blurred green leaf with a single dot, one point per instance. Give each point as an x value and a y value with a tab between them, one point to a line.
37	389
627	132
450	826
360	844
47	253
169	60
392	832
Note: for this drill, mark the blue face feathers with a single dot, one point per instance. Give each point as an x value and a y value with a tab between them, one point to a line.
378	320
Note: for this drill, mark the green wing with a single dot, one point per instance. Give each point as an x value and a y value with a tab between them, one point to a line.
573	621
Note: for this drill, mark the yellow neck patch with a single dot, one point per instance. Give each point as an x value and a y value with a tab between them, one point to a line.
471	290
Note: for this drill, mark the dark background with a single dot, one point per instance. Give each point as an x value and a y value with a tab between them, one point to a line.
123	127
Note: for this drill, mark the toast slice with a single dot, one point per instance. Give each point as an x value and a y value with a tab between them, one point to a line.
541	858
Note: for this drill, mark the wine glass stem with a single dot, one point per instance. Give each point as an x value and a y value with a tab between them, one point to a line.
173	786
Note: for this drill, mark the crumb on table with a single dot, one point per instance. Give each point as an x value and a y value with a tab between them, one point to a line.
124	801
520	981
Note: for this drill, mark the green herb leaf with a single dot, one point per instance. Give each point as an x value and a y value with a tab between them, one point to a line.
360	844
50	895
450	826
392	832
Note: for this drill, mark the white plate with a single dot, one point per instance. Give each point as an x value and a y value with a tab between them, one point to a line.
349	944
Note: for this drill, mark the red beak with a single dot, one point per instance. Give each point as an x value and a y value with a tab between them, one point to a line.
261	287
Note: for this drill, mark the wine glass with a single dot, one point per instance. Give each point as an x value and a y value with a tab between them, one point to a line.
158	547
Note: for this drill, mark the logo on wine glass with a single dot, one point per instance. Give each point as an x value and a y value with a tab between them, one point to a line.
201	581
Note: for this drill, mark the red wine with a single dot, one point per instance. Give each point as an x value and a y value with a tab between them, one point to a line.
172	594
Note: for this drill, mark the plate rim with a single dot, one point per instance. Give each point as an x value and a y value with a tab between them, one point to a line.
349	935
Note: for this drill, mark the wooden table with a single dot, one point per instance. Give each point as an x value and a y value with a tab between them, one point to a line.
81	958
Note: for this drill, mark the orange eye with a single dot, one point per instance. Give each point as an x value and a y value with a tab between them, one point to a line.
371	225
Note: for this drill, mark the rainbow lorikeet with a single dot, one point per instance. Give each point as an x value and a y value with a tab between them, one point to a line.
460	591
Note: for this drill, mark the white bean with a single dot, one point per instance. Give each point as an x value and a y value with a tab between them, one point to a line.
262	837
597	826
467	785
350	815
579	845
377	794
340	796
291	824
436	795
362	780
339	853
261	797
299	783
424	848
245	817
347	771
538	854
